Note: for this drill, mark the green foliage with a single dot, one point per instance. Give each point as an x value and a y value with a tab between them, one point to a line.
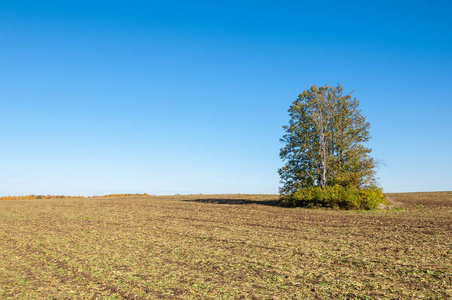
323	142
337	197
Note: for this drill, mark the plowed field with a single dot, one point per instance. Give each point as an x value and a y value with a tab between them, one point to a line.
224	246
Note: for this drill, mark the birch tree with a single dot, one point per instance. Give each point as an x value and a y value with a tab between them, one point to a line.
324	142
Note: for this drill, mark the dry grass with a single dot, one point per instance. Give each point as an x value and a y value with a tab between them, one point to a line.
431	200
224	246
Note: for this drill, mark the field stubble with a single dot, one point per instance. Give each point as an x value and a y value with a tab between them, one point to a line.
224	246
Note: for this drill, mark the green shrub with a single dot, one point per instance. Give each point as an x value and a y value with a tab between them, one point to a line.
337	197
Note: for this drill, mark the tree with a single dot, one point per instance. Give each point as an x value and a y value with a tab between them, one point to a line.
324	142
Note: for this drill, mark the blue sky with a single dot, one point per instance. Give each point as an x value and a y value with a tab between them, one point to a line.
166	97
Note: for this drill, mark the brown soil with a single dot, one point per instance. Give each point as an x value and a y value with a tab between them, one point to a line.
224	246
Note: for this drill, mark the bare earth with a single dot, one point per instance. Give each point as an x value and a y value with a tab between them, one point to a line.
224	246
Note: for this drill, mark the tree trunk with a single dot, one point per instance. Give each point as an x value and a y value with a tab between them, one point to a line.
323	159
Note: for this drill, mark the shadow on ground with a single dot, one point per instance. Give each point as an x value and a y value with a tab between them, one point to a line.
237	201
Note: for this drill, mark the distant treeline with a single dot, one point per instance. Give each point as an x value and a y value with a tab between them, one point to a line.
63	196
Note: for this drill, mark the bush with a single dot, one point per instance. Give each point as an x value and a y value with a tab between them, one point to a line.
337	197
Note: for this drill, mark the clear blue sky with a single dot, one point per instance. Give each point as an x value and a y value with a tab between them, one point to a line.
167	97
